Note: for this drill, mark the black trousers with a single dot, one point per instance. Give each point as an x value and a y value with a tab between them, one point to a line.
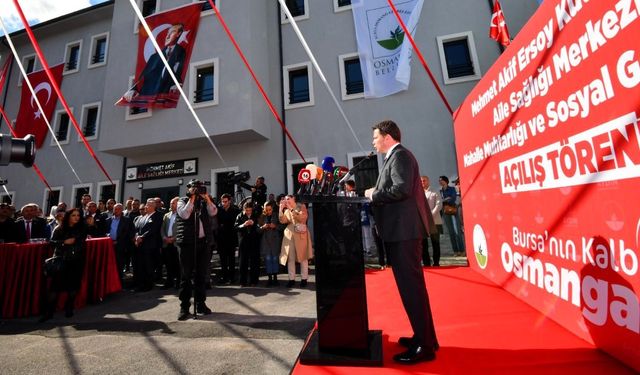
249	263
405	257
227	252
172	263
435	242
144	263
194	262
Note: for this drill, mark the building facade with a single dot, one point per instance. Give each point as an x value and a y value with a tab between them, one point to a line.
155	152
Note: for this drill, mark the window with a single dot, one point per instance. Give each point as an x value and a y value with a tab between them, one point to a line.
458	58
72	57
147	8
77	191
203	83
367	172
351	83
341	5
299	10
207	9
51	198
29	64
99	50
293	168
134	113
298	85
108	191
90	120
61	126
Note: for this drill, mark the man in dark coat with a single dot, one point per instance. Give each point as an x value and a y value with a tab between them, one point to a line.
403	220
121	230
30	226
227	238
148	242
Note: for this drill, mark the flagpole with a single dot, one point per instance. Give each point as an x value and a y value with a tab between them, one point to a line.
318	70
35	97
255	79
56	87
407	34
143	22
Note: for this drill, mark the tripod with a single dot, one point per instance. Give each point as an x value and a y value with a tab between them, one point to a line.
239	197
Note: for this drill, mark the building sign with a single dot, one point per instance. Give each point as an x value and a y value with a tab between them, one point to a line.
549	152
175	168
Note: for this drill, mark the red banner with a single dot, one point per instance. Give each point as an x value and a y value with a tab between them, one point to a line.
30	120
498	28
549	155
175	31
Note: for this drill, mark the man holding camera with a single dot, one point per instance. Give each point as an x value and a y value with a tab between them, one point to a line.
194	214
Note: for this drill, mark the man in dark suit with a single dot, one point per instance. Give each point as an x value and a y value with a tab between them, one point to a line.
403	220
148	243
121	230
169	249
98	217
30	226
154	78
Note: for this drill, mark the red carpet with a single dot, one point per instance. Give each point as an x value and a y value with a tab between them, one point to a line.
481	328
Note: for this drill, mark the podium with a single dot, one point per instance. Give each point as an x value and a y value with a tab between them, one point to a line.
342	337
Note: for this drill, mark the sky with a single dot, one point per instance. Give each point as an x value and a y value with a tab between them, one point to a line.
37	11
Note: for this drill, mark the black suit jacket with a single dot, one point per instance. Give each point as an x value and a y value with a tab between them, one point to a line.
153	80
126	231
149	229
398	202
39	229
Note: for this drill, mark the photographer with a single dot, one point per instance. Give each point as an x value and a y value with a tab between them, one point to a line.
259	195
194	214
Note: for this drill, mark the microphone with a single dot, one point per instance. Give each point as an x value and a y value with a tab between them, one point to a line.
319	181
327	169
313	171
338	173
304	177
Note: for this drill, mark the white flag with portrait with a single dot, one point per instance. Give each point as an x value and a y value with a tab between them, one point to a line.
385	53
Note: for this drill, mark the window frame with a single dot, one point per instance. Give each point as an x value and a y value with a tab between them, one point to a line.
46	210
286	69
343	77
74	188
468	35
136	21
94	38
209	11
284	20
35	66
193	82
84	112
128	116
67	53
56	125
101	184
338	8
290	163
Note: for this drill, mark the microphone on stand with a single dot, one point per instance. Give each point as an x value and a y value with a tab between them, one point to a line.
318	181
338	173
327	168
304	177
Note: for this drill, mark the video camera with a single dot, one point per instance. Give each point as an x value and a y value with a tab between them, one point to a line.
200	186
238	178
16	150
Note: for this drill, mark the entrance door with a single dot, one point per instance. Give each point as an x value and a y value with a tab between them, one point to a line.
165	193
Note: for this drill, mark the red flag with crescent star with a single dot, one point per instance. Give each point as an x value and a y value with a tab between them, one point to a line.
175	32
30	120
498	29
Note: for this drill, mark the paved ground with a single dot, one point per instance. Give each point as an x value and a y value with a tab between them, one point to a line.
252	330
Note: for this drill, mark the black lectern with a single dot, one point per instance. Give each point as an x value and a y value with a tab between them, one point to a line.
342	337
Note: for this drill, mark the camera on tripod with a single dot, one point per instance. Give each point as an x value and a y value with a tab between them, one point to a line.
238	178
200	186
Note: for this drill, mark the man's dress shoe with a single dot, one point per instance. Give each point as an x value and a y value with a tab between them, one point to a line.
407	342
414	355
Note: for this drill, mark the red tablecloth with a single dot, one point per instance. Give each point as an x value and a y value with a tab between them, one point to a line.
21	279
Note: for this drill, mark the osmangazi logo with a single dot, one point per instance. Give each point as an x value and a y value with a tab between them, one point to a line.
395	40
480	249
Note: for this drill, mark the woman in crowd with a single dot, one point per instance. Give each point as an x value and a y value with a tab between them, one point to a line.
271	241
248	245
68	239
57	214
296	244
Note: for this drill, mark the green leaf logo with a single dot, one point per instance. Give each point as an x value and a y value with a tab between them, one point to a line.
395	40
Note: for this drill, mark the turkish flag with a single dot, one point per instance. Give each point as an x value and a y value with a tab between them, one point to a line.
175	32
498	29
30	120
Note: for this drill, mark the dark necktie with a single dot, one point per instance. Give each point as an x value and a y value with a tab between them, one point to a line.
28	230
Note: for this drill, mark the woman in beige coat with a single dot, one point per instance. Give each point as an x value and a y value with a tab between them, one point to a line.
296	244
